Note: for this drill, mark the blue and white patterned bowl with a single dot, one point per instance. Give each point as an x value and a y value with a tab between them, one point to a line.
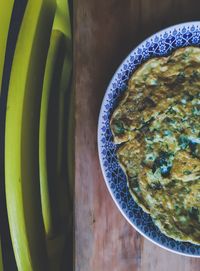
159	44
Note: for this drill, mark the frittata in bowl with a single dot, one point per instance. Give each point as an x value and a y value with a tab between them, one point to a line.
157	124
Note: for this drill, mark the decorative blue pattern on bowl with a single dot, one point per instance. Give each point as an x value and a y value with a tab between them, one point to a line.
162	43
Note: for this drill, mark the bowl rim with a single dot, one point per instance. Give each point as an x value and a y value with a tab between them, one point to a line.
99	144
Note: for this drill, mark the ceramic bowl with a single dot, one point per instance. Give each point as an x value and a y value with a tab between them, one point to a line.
160	44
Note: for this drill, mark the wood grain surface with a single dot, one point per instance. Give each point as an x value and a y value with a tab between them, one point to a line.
105	31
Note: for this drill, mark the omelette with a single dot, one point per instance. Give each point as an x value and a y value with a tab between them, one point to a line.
157	127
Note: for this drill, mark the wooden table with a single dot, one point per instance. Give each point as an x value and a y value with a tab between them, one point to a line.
104	33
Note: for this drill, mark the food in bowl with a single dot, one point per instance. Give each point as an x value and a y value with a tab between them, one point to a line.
157	124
